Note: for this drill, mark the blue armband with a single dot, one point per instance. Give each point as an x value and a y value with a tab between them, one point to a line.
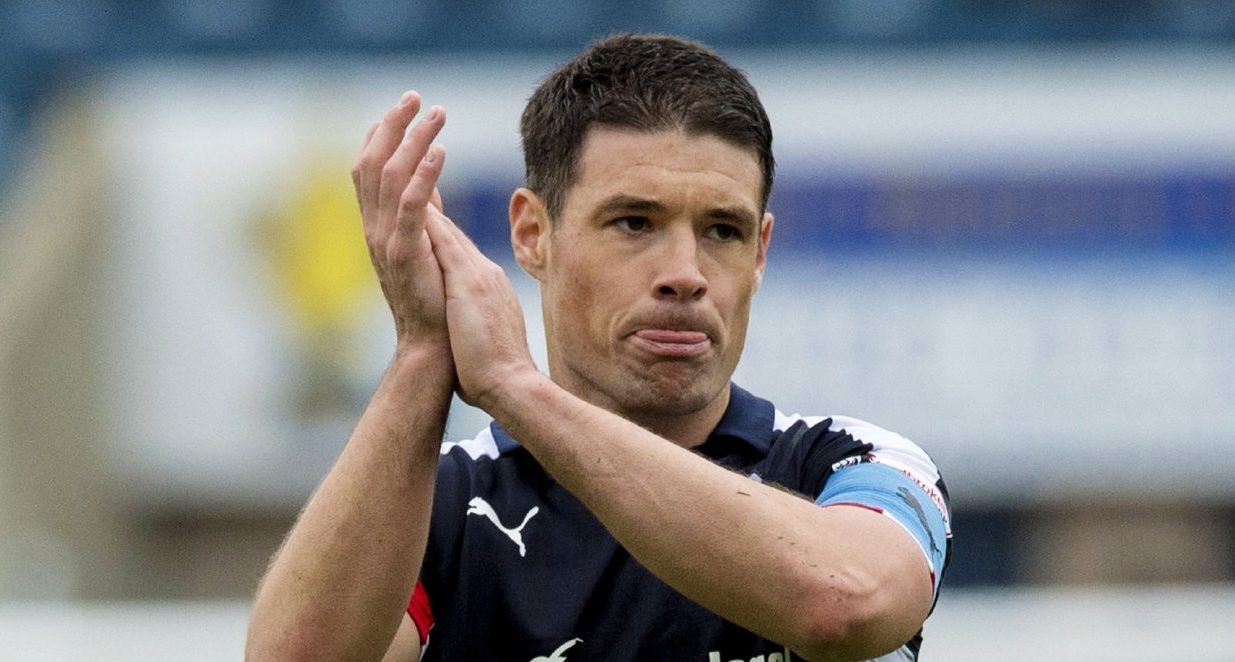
897	495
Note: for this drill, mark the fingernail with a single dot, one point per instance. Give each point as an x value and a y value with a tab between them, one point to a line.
431	156
407	96
431	115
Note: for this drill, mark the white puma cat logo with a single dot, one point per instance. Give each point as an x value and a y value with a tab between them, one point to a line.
558	655
478	506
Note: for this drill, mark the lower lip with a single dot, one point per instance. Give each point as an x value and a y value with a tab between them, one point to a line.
675	344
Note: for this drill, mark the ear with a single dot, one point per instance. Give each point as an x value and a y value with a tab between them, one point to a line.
529	231
765	238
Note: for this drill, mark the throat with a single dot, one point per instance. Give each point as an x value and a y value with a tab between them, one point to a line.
684	418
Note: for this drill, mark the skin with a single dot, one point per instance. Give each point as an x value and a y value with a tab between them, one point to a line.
647	277
338	587
646	282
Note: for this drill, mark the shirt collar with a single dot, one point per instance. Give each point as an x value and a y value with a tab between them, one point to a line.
748	418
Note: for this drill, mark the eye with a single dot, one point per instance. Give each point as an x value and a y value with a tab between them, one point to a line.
631	224
724	232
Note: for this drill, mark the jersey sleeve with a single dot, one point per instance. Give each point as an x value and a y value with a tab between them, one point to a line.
422	615
898	479
431	598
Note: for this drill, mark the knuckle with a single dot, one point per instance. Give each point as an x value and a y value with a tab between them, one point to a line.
396	256
410	201
390	171
422	129
394	178
483	283
427	168
366	163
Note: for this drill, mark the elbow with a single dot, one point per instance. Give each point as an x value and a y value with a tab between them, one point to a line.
273	639
267	643
306	639
260	646
258	642
853	618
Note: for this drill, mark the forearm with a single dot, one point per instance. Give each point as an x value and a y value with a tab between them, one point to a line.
339	585
763	558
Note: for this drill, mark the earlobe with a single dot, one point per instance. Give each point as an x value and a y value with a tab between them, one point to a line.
529	231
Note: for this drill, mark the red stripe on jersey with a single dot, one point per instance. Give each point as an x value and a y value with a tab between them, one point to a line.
418	609
856	505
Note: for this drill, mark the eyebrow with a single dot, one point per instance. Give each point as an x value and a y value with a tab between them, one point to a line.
624	203
735	215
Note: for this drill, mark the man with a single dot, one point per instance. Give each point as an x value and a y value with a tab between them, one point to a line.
633	505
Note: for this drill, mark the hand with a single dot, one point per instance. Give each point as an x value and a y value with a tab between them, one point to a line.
487	335
396	185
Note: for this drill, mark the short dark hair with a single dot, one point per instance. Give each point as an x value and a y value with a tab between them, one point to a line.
643	82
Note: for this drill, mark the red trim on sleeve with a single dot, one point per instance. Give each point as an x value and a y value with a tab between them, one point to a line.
418	609
855	505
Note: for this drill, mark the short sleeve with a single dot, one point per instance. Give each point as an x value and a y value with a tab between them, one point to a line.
888	491
422	615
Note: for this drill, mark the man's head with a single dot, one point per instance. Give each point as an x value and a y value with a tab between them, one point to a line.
649	164
646	83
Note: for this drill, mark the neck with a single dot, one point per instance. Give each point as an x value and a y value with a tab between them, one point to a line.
686	430
685	426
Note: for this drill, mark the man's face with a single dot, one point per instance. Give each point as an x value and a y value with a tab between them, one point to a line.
650	270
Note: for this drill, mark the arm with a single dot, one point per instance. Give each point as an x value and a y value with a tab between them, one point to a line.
830	583
338	587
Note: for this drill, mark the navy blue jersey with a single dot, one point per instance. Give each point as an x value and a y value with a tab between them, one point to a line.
518	569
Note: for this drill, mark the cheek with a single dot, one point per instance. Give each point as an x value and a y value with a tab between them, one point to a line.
576	303
737	313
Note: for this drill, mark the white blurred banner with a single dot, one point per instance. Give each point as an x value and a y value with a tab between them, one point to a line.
248	332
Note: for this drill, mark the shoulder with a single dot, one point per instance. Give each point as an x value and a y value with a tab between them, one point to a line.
888	473
887	447
879	447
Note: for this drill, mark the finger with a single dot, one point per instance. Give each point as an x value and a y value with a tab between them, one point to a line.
369	135
465	270
409	156
436	199
378	148
419	192
465	242
356	166
445	247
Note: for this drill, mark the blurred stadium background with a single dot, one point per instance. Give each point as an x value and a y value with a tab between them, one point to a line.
1005	229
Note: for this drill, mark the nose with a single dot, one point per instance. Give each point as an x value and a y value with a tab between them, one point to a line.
678	276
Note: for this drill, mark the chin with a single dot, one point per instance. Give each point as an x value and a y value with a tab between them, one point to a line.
671	395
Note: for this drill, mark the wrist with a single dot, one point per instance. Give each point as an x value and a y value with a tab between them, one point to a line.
518	389
429	364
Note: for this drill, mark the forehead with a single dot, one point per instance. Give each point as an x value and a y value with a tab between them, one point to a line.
670	166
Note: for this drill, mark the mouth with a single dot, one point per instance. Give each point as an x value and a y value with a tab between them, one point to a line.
670	343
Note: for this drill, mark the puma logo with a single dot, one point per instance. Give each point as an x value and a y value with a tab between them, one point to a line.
558	655
478	506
